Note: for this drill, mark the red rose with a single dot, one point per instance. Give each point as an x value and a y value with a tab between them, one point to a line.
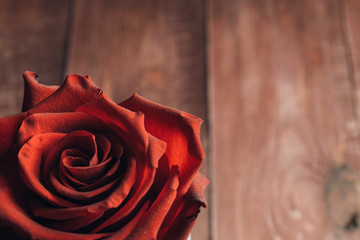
74	165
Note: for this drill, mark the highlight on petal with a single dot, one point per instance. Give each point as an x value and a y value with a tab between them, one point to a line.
181	132
34	92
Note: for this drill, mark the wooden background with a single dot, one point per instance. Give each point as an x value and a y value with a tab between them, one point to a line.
276	82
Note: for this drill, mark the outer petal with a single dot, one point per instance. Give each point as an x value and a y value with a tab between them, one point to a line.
74	92
33	91
8	131
58	122
193	200
150	224
180	131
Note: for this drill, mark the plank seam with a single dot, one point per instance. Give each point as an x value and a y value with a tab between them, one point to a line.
68	33
348	57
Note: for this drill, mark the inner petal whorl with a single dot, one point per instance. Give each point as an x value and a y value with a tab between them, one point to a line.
81	140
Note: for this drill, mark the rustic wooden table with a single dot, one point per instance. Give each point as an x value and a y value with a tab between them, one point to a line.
275	81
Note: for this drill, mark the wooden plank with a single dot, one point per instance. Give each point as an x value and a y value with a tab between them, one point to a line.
32	36
351	21
154	48
284	121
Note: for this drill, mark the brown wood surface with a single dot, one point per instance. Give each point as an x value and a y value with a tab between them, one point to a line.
284	119
32	35
154	48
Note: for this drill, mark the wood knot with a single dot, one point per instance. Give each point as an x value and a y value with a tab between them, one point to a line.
343	199
353	223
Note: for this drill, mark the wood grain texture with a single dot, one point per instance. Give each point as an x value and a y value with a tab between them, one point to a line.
284	119
154	48
32	35
352	30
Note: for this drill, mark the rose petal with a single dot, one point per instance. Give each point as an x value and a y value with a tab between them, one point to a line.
128	125
128	228
74	92
8	130
59	122
146	175
79	167
149	225
116	154
68	180
86	197
180	131
14	197
74	224
82	140
30	162
194	199
115	198
112	173
104	147
34	92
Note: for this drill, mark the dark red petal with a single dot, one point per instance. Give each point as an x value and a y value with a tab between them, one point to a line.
73	194
58	122
14	197
68	180
73	224
34	92
81	140
194	199
8	131
128	125
113	173
149	225
104	147
128	228
145	177
112	201
30	162
180	131
110	175
84	141
74	92
44	210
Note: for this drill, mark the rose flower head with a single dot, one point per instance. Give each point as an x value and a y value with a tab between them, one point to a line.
75	165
